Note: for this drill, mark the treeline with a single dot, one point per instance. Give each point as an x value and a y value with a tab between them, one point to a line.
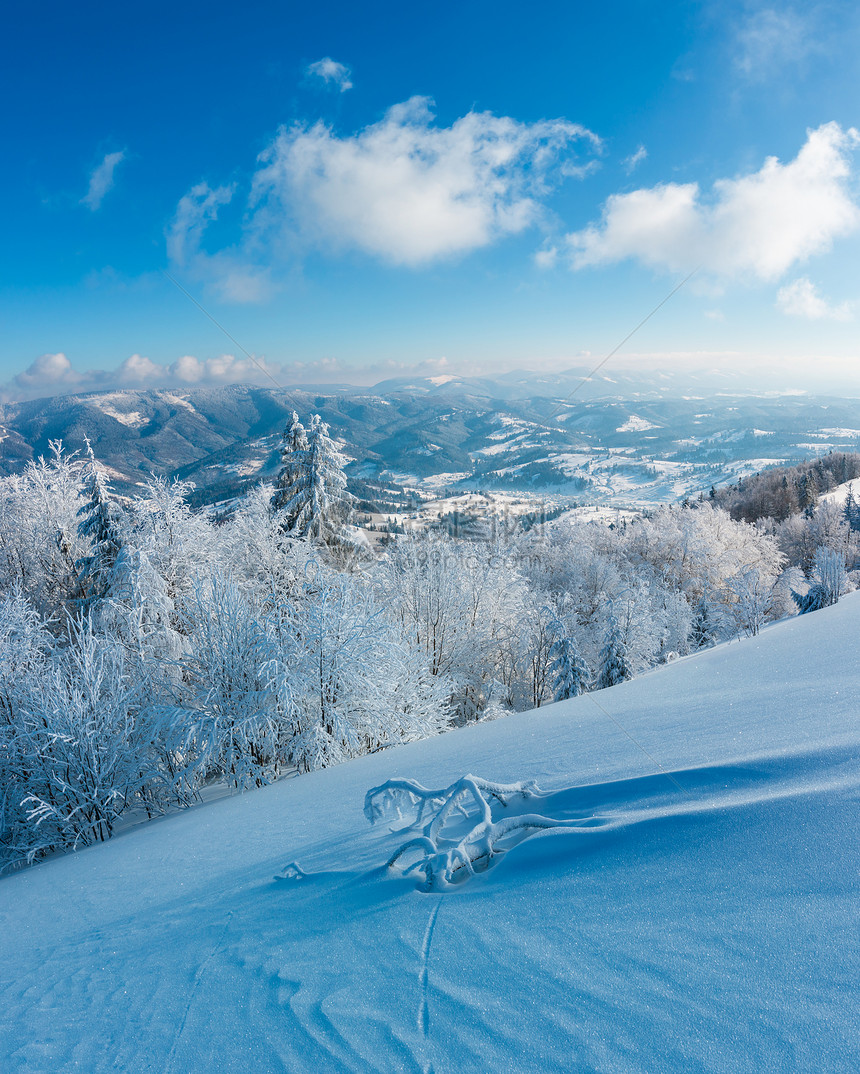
148	651
786	490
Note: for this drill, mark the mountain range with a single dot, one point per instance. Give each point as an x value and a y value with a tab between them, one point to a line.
632	438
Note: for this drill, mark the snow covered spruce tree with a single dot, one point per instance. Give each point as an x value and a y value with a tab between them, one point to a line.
614	662
100	523
569	673
310	494
293	453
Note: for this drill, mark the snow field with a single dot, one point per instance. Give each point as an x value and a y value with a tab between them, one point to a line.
704	920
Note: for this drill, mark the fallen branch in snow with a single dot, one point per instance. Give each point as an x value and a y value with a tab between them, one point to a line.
448	861
293	871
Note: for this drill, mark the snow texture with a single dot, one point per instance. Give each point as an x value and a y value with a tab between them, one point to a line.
708	923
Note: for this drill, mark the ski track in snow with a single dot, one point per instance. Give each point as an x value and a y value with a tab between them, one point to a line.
424	1010
195	984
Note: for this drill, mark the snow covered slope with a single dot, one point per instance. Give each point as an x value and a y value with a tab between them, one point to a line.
703	922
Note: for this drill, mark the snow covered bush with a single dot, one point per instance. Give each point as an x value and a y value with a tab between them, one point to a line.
39	539
83	735
461	837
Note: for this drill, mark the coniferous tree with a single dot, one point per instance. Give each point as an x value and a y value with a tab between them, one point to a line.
311	491
614	662
100	523
293	451
569	673
852	509
703	632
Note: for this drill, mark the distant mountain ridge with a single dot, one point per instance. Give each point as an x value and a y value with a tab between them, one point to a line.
652	437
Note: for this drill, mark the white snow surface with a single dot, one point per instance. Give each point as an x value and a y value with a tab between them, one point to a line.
840	494
705	920
635	424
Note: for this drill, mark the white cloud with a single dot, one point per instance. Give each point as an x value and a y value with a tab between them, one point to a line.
195	211
546	257
408	191
331	72
635	159
756	225
230	272
137	369
225	369
801	299
53	374
102	180
769	39
48	371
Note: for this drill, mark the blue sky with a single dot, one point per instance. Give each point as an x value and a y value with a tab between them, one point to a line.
356	191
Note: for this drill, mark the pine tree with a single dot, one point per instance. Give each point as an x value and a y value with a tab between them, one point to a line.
614	665
311	494
569	673
101	518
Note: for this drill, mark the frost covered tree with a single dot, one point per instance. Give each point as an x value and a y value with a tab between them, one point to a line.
829	582
254	549
758	598
614	660
293	453
100	524
179	543
85	736
852	510
340	707
138	611
238	711
569	673
310	496
39	540
704	630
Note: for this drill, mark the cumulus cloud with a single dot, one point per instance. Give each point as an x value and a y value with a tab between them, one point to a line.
408	191
48	371
801	299
102	180
53	374
404	190
546	257
332	73
137	369
756	225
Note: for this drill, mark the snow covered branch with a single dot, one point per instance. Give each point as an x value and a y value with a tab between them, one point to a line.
461	837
